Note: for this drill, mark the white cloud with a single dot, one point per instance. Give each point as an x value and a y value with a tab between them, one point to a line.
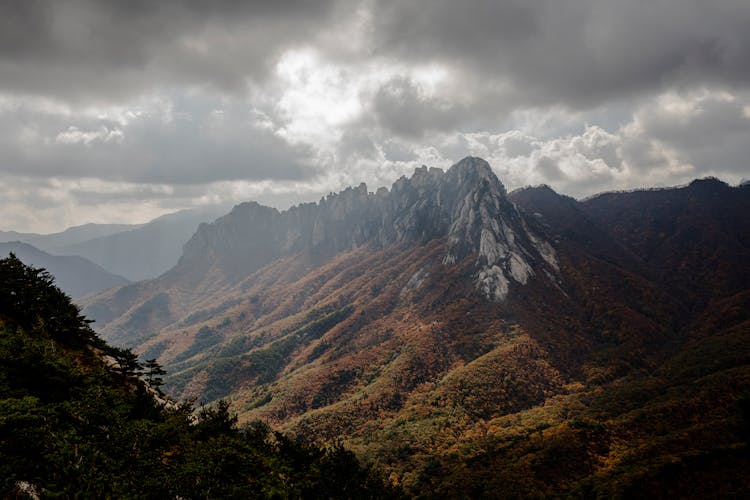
668	140
73	135
317	97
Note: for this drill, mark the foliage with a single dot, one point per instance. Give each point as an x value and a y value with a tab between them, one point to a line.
73	424
153	373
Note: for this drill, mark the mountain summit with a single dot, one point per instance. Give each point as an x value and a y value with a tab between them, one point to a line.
467	206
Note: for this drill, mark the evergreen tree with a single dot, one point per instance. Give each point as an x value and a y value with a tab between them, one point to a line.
153	373
127	362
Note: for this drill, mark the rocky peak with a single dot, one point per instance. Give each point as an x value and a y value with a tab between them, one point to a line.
472	171
425	177
240	242
486	225
232	231
466	205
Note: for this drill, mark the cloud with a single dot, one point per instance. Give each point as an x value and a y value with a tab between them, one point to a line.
576	53
579	53
667	140
137	107
670	139
707	129
517	144
75	136
33	204
549	169
86	49
169	140
403	108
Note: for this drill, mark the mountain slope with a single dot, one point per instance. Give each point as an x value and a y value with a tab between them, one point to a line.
707	221
457	335
77	421
75	275
135	251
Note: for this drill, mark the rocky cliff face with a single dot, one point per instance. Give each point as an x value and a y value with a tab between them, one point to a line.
467	206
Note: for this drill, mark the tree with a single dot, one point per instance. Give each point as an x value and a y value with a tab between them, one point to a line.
30	298
127	362
153	373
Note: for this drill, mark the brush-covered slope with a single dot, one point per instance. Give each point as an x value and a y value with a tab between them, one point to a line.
77	421
465	340
694	240
75	275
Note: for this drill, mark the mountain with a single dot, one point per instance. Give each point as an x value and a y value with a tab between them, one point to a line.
485	236
708	222
6	236
78	234
135	251
71	236
143	251
471	342
75	275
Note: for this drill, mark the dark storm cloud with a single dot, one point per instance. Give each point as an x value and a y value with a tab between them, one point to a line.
400	107
579	53
709	131
85	48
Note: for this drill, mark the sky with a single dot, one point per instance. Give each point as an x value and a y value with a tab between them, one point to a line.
114	111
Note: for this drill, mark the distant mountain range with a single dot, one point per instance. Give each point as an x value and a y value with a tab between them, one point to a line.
473	342
76	276
145	251
70	236
136	252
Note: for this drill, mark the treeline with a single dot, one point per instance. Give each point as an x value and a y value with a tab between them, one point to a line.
79	418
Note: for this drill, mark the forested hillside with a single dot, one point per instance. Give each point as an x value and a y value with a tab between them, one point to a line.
79	418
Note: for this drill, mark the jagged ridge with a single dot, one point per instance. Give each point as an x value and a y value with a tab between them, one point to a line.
467	205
